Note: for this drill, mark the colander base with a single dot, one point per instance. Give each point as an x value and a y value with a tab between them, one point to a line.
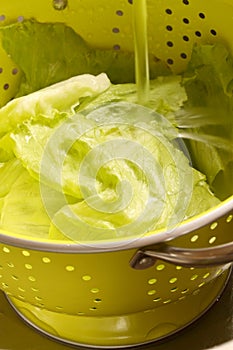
122	330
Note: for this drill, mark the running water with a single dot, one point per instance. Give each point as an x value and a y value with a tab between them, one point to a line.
194	123
187	120
141	50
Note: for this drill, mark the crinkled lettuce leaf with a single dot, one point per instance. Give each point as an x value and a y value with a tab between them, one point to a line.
185	190
79	222
31	136
62	97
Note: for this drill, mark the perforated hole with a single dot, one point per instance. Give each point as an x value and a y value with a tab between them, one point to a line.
169	28
183	55
170	61
116	47
157	299
212	240
229	219
98	300
186	20
119	13
95	290
40	305
173	280
167	301
46	260
15	278
115	30
168	11
59	308
70	268
194	277
93	308
152	281
194	238
202	15
28	266
170	44
198	33
184	291
219	272
185	38
38	298
151	292
86	278
6	250
160	267
14	71
214	225
10	264
201	284
213	32
32	279
20	19
25	253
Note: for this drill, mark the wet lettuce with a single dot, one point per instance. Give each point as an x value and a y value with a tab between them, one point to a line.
51	143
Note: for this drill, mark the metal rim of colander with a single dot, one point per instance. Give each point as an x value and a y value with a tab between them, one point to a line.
155	237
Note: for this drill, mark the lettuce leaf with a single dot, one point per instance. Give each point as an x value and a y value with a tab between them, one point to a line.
51	52
51	141
31	137
22	209
79	222
166	96
59	98
9	172
186	196
208	82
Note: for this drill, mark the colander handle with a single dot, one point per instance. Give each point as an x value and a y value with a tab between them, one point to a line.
203	257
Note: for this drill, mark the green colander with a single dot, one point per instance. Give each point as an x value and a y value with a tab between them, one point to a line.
124	293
